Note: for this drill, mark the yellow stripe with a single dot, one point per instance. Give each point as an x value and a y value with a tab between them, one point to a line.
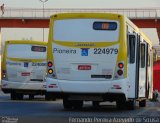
26	60
63	16
85	44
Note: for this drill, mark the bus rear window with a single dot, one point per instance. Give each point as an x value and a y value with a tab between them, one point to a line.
38	49
104	26
86	30
26	51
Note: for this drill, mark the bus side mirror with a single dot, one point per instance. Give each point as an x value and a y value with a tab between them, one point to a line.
132	43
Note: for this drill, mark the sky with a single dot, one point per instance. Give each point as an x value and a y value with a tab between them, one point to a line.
82	3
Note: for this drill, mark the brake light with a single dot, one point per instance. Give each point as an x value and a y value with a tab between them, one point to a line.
3	71
51	70
120	65
50	64
120	72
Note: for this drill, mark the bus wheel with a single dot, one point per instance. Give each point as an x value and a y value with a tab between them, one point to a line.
67	104
20	96
142	103
49	97
95	104
77	104
31	96
120	104
131	104
13	96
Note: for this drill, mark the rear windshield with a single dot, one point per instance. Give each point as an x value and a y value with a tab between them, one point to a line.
86	30
26	51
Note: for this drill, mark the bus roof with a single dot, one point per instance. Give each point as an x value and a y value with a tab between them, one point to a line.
100	15
85	15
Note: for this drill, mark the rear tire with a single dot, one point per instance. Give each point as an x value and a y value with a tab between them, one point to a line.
67	104
13	96
142	103
77	104
120	104
49	97
31	96
131	104
19	96
95	104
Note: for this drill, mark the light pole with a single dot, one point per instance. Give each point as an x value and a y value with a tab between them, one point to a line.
43	1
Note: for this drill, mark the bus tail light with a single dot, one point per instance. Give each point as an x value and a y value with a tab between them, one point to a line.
120	72
4	75
120	65
50	70
50	64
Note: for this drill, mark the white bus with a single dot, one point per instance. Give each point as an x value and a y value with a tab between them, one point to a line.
24	68
98	57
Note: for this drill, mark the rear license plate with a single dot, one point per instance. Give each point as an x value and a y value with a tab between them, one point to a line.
25	74
84	67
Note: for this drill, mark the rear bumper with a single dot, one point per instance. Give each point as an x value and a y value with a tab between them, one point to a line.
98	87
35	87
24	91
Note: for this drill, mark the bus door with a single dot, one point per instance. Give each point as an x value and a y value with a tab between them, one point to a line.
143	78
133	66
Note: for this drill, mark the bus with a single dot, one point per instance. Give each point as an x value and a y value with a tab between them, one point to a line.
98	57
24	66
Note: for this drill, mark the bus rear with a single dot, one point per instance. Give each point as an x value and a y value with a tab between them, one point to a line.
24	68
87	56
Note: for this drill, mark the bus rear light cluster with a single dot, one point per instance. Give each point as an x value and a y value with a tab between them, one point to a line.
120	69
50	69
4	75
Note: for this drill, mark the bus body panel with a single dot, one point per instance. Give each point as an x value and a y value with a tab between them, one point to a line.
101	87
25	65
25	71
68	63
14	85
71	46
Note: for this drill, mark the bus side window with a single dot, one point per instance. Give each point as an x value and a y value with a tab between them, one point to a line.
142	55
132	42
